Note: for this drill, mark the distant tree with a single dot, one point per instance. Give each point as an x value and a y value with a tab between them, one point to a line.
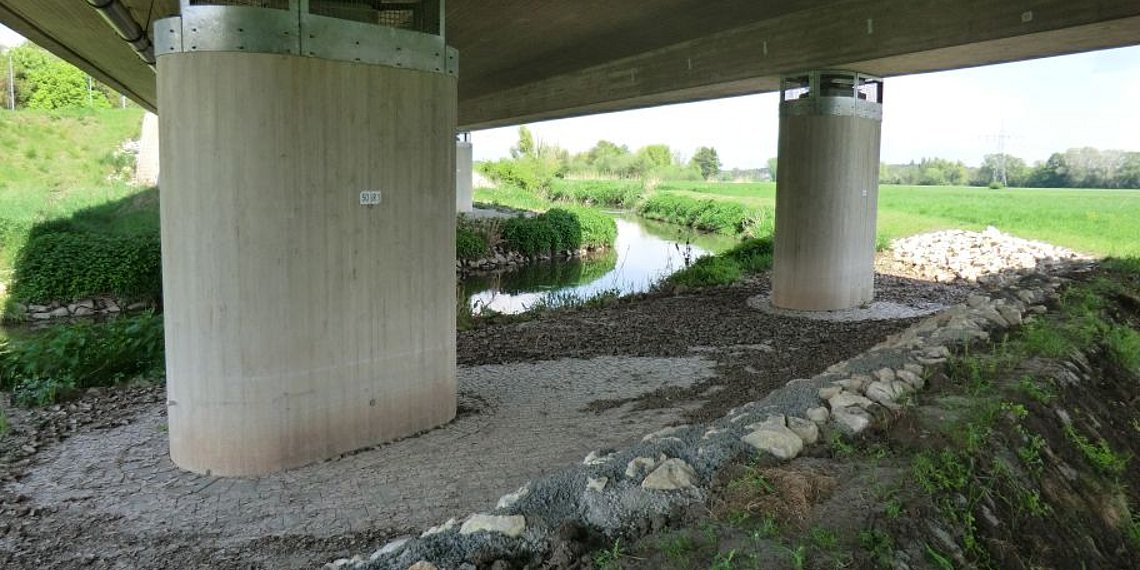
655	156
44	81
525	145
772	162
707	161
1129	174
1053	173
1003	168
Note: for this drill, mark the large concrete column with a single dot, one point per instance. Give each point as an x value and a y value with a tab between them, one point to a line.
464	162
827	191
308	245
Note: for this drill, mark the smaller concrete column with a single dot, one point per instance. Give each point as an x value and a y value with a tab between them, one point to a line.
827	191
464	192
146	163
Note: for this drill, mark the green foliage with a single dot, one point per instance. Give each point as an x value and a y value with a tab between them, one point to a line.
67	266
44	367
530	236
469	244
707	161
566	227
707	215
748	257
879	545
1099	454
597	229
707	272
610	559
3	423
615	193
1123	344
46	82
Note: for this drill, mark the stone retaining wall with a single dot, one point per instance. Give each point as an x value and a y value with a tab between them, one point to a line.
99	306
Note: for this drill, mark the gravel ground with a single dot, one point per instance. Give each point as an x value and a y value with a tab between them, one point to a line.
89	485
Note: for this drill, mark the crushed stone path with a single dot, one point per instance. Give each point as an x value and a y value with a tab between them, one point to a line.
518	421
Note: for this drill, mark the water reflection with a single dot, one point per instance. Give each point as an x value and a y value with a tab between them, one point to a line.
644	252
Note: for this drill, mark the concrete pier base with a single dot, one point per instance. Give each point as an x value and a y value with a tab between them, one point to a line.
827	192
308	256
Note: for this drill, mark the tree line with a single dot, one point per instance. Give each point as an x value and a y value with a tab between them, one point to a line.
533	163
1084	167
33	78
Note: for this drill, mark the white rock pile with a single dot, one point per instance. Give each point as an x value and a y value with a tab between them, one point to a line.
958	255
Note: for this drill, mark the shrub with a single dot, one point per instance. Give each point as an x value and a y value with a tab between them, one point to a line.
752	255
530	236
566	226
706	272
597	229
469	244
68	266
707	215
42	368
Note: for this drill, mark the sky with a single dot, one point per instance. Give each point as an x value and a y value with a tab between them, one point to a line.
1036	107
1040	106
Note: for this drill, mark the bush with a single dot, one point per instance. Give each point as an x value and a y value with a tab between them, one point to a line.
750	256
597	229
69	266
614	193
706	272
469	244
531	236
45	367
753	255
707	215
566	226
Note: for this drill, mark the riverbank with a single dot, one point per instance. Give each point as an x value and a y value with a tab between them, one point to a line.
78	494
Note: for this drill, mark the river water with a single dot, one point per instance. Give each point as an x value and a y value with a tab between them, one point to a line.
644	252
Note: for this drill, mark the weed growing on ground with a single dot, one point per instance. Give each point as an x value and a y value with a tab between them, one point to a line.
823	539
44	367
940	560
678	547
1134	531
768	528
879	545
1040	393
840	447
1099	454
610	558
723	561
1123	344
797	556
3	423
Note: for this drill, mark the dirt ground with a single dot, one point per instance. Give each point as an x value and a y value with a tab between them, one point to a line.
752	353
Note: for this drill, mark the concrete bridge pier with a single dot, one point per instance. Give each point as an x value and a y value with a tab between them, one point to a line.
464	162
827	190
308	235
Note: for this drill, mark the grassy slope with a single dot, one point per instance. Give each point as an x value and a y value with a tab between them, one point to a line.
55	163
1104	222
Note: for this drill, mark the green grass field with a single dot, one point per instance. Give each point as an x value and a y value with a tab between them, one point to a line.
56	163
1103	222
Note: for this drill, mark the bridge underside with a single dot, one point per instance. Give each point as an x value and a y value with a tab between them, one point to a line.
526	60
308	180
